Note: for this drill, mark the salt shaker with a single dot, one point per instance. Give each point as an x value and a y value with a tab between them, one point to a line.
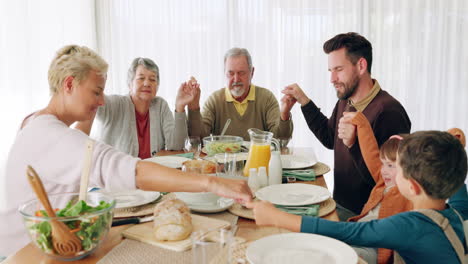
253	180
262	177
275	169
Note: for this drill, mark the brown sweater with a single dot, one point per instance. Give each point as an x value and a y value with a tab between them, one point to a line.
263	113
392	202
353	182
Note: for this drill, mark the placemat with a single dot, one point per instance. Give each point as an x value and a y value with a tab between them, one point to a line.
326	207
131	251
226	216
320	168
238	252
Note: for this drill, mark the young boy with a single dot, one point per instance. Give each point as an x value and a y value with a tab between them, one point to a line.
431	167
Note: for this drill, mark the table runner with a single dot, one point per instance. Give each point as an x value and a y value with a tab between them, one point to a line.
131	251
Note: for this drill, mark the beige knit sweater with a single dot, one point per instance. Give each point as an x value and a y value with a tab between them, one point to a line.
263	113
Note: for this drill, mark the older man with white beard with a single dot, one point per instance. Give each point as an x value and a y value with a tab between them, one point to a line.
247	105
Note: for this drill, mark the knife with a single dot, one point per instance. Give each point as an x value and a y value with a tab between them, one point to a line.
132	220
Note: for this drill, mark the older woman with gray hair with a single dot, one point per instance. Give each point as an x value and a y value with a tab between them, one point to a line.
141	123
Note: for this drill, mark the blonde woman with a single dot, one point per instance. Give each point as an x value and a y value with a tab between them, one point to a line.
77	77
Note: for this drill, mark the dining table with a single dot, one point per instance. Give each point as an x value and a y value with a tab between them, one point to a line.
247	229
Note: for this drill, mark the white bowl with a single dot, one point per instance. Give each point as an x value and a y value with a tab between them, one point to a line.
198	197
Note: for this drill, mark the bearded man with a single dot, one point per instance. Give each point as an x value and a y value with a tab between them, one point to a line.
247	105
349	63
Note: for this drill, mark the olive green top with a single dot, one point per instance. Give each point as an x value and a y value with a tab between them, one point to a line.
263	113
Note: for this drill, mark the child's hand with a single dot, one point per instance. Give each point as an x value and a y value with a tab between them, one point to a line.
348	116
265	213
346	130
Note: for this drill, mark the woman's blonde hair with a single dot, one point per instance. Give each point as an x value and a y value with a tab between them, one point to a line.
76	61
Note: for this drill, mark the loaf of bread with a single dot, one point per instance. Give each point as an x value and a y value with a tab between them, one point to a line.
172	221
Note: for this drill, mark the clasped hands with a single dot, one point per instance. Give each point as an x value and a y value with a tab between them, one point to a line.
188	94
346	129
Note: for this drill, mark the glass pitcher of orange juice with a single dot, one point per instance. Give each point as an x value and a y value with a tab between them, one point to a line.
260	150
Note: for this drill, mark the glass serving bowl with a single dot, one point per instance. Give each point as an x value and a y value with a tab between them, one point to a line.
91	228
222	144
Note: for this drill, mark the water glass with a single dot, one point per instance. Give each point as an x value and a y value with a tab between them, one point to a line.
213	246
284	141
229	165
193	144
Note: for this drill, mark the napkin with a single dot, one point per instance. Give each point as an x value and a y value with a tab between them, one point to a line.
188	155
303	175
309	210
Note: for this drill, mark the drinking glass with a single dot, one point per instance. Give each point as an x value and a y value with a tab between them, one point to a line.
229	165
193	144
212	246
284	141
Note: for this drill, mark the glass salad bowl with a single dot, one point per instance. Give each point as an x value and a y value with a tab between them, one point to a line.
222	144
90	221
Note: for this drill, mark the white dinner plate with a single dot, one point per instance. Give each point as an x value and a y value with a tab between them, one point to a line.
133	198
169	161
221	205
299	248
298	161
293	194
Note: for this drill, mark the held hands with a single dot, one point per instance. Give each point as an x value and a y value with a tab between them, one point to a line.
188	94
349	116
294	91
235	189
265	213
346	130
195	103
287	103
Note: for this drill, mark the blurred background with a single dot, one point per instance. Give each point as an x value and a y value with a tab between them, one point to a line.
420	51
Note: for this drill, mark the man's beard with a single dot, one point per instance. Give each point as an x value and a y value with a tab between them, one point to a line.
349	88
237	90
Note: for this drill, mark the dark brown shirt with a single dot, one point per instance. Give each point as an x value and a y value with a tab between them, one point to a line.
353	182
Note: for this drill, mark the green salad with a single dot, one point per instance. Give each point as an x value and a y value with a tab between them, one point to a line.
89	229
222	147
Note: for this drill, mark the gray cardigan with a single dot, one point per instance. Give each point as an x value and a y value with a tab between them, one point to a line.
116	125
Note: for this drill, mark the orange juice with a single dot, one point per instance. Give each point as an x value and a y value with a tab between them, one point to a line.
259	156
